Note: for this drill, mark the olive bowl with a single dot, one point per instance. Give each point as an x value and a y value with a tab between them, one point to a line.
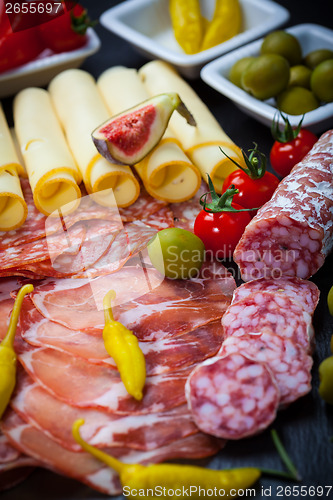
216	75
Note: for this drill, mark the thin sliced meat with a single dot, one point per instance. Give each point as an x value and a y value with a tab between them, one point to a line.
303	291
172	308
289	363
37	225
89	470
142	432
232	397
37	251
162	219
262	311
7	452
39	446
86	385
143	208
132	240
161	355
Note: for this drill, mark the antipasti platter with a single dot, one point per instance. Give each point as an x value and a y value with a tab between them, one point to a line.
166	275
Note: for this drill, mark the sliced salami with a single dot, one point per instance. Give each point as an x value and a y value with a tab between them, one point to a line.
232	397
302	291
269	311
289	363
293	233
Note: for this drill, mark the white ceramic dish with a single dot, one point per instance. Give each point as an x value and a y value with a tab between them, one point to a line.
216	74
147	26
41	71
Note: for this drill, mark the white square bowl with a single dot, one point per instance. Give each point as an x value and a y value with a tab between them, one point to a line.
40	71
146	24
216	74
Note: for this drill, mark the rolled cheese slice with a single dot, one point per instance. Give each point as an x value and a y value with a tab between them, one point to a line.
167	173
80	109
13	208
203	142
52	172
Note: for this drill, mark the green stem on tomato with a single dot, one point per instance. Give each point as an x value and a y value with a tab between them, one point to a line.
221	203
255	162
288	133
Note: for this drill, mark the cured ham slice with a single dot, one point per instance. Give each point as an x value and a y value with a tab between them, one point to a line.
89	470
302	291
39	446
268	311
161	355
232	396
142	432
154	315
293	233
85	385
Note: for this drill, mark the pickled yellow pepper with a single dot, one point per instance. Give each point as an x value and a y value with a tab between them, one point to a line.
123	347
187	24
7	352
140	477
226	23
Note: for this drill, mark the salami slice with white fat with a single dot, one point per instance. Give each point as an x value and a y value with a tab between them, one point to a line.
293	233
303	291
232	397
269	311
289	363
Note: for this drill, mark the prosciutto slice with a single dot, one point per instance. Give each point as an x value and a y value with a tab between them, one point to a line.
89	470
142	432
161	355
154	315
84	385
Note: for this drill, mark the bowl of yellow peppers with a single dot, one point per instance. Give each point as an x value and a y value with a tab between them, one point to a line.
190	33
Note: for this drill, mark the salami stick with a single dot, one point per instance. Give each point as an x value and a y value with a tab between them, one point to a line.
293	233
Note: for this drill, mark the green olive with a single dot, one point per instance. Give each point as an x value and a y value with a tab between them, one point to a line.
176	253
266	76
317	56
238	68
330	302
296	101
299	76
326	380
282	43
322	81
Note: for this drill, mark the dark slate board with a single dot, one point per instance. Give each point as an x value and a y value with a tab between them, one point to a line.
307	425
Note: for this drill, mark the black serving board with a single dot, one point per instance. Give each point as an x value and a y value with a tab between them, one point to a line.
307	425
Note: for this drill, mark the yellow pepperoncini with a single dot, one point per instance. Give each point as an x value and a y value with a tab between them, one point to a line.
226	23
7	352
187	24
123	347
136	477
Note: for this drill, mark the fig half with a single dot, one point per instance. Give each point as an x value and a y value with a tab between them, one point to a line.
129	136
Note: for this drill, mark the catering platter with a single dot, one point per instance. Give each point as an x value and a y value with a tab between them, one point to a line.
306	426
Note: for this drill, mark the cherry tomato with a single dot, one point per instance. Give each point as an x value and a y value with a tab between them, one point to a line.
221	231
68	31
285	155
290	146
252	192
